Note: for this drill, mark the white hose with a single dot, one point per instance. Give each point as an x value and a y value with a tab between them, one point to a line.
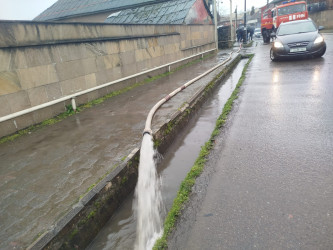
173	93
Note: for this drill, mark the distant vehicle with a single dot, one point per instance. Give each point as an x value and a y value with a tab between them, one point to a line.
298	39
257	32
271	18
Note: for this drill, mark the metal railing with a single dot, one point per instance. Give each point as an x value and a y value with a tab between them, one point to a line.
73	96
176	91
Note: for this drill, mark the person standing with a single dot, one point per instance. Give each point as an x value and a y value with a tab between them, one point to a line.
251	32
238	34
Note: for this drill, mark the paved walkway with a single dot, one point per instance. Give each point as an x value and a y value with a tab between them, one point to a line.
44	173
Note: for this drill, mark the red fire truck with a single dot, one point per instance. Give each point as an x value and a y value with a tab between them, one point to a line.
273	16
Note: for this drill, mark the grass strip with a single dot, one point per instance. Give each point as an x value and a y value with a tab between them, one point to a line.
69	110
247	45
187	184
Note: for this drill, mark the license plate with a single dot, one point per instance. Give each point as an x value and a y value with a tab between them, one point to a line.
298	49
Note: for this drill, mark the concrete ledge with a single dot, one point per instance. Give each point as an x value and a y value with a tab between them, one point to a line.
88	40
198	46
82	223
23	33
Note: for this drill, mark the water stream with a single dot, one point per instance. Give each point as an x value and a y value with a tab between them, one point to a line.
148	201
120	230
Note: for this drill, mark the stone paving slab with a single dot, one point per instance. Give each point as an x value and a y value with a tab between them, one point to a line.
44	173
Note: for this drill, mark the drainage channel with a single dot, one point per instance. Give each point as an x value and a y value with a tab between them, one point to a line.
120	230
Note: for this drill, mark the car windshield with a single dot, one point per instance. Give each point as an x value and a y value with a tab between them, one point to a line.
291	9
295	28
257	30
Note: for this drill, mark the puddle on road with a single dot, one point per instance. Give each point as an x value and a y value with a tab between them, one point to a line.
120	230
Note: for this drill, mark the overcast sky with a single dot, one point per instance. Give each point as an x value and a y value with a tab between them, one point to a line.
23	9
29	9
224	5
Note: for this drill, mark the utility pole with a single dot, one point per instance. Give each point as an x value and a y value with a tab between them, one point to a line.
236	17
245	33
215	24
232	33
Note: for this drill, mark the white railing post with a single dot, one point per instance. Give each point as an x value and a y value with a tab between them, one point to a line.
73	104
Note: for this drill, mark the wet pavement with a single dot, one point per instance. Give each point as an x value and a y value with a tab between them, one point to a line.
120	230
44	173
268	183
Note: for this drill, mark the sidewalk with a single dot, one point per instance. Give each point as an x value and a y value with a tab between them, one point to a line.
43	174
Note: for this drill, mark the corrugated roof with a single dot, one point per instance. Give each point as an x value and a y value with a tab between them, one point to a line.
171	12
68	8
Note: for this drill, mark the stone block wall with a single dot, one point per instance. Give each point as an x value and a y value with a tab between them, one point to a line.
41	62
323	18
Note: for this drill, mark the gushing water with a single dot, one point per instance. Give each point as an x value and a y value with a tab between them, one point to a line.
148	198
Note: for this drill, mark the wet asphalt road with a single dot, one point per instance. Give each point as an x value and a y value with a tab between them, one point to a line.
268	183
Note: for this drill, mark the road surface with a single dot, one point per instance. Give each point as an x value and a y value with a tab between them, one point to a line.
268	183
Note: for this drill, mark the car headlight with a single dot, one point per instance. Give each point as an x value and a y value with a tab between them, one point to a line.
319	39
278	45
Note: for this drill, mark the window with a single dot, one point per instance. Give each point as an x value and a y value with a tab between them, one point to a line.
268	14
291	9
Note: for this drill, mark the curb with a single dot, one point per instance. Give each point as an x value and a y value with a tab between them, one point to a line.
81	224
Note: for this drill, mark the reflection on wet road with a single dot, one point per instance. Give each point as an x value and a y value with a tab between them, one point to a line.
272	186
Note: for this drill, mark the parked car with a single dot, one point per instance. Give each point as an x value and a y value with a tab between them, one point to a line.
298	39
257	32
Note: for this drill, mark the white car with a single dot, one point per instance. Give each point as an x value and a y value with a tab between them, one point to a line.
257	32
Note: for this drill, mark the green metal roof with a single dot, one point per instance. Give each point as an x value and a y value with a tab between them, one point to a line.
171	12
68	8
